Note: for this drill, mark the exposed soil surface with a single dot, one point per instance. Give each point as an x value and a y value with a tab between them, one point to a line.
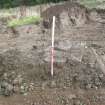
25	59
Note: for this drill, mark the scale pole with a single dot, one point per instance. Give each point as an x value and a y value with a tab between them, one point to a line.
52	47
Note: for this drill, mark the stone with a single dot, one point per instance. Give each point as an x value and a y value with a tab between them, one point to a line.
53	84
64	45
16	89
31	86
18	80
6	89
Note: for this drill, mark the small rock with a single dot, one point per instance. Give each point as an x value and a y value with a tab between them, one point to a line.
16	89
71	96
18	80
53	84
6	88
31	87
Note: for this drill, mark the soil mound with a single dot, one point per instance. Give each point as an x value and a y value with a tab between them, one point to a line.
74	13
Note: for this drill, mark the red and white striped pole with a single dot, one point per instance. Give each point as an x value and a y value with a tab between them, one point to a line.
52	47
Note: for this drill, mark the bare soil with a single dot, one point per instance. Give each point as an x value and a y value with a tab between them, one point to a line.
25	59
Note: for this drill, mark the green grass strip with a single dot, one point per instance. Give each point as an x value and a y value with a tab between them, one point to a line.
24	21
92	3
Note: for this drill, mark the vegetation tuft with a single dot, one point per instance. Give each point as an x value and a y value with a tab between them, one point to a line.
24	21
93	3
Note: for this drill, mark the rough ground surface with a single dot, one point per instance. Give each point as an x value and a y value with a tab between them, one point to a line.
25	60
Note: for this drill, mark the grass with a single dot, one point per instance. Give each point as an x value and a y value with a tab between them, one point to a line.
24	21
5	13
93	3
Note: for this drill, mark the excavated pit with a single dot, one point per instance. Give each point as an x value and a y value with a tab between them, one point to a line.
26	57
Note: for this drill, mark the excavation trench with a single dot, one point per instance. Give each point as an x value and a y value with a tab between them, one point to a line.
25	58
